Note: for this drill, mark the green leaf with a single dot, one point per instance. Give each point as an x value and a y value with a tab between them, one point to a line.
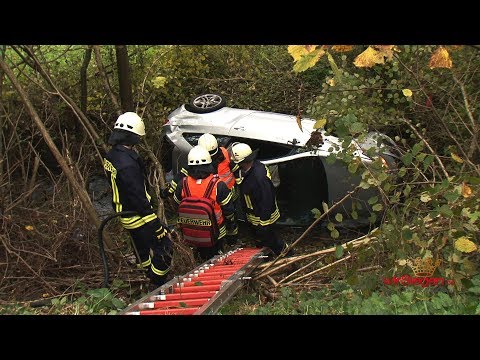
377	207
198	283
382	176
420	157
352	167
354	215
339	251
407	190
407	234
407	158
307	61
472	180
427	162
451	196
334	67
475	290
331	226
324	206
364	185
316	213
402	172
417	148
182	304
373	200
339	217
445	210
356	127
335	234
119	304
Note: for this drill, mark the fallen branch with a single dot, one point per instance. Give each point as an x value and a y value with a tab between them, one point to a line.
354	243
299	270
318	270
285	251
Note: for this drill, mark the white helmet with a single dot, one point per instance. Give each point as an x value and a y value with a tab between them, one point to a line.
198	155
130	121
209	142
240	152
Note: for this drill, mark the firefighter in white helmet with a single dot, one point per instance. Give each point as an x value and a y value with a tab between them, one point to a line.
257	195
200	177
221	166
127	175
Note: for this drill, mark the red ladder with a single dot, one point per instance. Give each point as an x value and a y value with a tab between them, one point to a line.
203	290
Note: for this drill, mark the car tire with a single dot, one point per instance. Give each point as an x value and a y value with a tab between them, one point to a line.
206	103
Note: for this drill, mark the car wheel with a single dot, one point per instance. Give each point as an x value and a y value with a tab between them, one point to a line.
206	103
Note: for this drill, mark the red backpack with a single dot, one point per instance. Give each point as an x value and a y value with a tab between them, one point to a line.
196	216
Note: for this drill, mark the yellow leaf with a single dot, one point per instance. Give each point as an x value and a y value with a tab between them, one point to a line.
463	244
402	262
299	122
159	81
407	92
319	124
29	228
297	51
457	158
466	190
440	59
368	58
307	61
386	50
331	82
342	48
425	197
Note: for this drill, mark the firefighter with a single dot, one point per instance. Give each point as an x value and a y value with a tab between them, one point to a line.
257	195
200	173
221	163
126	172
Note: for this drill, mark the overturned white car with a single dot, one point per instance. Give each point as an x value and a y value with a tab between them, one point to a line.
302	176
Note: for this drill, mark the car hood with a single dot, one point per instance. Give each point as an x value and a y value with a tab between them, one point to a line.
260	125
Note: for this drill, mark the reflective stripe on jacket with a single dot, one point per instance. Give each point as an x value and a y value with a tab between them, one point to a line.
258	195
126	172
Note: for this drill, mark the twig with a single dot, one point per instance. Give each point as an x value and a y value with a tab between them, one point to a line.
297	271
272	280
318	270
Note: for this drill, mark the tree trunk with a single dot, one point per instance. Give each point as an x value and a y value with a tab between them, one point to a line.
83	79
2	199
106	82
79	190
124	78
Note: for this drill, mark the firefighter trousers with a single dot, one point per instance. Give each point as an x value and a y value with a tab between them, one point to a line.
155	250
